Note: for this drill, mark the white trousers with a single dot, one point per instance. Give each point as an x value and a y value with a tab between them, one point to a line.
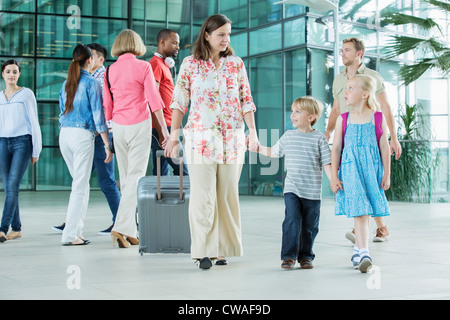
132	144
214	212
77	149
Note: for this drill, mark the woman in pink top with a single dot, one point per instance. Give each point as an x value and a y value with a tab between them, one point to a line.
132	90
215	82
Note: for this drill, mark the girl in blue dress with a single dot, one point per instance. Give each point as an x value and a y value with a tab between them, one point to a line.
362	173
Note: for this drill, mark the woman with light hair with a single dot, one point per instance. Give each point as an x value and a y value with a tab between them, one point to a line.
130	96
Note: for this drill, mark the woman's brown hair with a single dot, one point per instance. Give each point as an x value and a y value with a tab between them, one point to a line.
80	55
202	50
9	62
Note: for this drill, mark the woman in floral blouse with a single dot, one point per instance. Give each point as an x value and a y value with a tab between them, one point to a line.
215	83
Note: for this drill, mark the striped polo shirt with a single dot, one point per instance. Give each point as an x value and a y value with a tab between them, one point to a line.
304	154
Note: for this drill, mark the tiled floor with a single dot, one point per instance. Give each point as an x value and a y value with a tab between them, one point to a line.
413	264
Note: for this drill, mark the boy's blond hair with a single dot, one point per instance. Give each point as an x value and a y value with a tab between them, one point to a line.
310	105
128	41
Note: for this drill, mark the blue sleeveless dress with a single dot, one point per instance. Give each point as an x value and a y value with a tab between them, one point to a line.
361	172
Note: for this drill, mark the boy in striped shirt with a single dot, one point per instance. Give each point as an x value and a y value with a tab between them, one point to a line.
306	153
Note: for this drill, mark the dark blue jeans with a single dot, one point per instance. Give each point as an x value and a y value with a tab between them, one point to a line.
15	156
165	162
300	227
105	175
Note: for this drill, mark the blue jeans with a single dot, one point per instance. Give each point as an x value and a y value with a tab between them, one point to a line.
105	175
300	227
15	156
165	162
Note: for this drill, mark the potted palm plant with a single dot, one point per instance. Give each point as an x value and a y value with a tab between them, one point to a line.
413	173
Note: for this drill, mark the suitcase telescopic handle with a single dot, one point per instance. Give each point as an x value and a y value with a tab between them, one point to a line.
159	154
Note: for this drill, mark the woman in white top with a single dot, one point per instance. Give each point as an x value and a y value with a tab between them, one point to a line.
20	142
215	83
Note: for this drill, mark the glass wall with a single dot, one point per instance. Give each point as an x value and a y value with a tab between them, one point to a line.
288	51
41	35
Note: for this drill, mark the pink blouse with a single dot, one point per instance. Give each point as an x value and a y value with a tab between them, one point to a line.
219	99
133	88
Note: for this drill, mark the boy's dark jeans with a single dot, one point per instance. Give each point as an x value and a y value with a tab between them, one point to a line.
300	227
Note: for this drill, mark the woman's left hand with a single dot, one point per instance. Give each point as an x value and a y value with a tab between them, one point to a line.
166	137
252	141
34	160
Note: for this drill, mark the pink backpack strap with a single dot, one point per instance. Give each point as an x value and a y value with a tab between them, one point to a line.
344	126
378	121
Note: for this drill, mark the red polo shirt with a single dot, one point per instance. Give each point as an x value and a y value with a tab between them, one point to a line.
164	78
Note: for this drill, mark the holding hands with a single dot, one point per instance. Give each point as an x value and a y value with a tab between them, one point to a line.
336	184
171	147
252	141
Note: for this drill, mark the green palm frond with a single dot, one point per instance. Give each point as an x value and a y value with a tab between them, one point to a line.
401	44
437	52
397	19
444	5
412	72
356	7
443	62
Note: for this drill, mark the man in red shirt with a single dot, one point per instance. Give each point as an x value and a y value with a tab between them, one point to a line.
161	62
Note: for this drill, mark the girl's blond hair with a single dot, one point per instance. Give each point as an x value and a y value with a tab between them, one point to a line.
310	105
128	41
368	84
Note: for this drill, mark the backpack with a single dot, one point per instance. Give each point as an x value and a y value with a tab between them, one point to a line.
378	130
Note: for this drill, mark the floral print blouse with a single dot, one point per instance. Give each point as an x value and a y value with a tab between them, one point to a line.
219	99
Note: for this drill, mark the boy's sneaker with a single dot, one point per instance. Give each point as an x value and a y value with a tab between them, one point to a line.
288	264
59	228
106	232
381	234
365	264
306	264
351	236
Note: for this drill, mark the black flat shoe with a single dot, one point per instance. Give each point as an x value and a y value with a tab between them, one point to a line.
205	263
3	237
221	262
85	242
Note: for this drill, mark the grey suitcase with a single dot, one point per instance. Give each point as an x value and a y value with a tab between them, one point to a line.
162	213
